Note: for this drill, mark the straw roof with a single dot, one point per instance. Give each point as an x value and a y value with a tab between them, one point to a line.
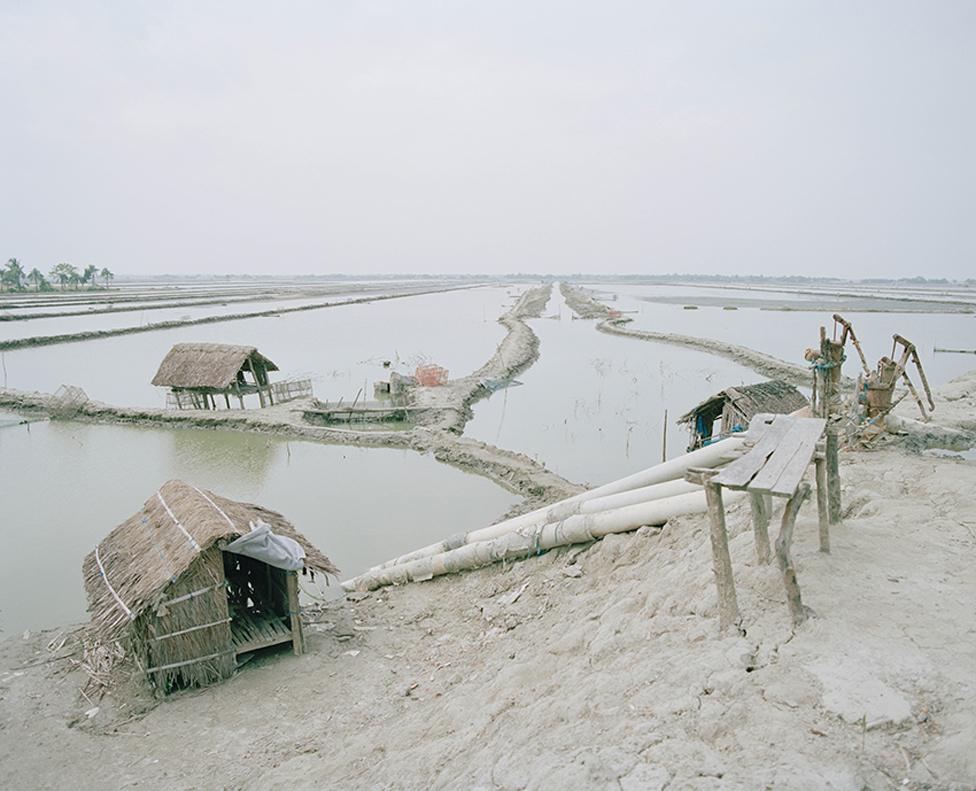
775	397
206	365
128	572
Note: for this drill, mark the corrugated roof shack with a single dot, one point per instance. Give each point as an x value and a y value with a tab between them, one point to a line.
734	407
196	372
171	584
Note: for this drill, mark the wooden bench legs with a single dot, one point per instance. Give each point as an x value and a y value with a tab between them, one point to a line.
728	606
797	611
762	508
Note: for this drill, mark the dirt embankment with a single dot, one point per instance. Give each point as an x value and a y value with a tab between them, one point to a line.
586	306
73	337
597	667
176	300
447	410
517	351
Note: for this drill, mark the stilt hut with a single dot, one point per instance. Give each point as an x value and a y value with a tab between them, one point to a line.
194	581
734	407
196	373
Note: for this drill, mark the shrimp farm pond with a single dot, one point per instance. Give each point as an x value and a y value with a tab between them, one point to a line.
527	400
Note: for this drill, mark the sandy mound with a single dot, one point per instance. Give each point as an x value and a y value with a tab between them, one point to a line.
595	667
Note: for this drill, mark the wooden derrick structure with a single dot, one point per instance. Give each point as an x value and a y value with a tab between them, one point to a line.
171	585
731	410
197	373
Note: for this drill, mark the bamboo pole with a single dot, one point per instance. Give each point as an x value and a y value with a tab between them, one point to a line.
833	475
820	465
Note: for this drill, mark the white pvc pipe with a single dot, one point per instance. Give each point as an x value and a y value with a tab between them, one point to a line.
709	456
576	529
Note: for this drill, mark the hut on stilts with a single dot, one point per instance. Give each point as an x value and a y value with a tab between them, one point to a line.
196	373
194	581
734	407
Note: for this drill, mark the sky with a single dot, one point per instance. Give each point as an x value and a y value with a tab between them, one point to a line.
816	138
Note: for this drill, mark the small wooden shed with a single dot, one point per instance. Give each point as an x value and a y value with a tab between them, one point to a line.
196	372
171	582
734	407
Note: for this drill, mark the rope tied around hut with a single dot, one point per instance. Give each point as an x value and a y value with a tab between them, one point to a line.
172	584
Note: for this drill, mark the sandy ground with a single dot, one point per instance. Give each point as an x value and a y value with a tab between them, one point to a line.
597	667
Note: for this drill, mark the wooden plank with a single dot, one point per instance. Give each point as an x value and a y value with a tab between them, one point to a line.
784	469
738	474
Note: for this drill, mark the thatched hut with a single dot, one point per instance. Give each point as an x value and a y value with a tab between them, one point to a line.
194	580
196	372
734	407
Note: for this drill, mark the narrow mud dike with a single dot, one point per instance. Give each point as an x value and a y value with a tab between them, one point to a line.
119	305
74	337
517	351
586	307
448	406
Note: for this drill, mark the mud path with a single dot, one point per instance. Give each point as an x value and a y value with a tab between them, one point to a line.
74	337
445	410
587	307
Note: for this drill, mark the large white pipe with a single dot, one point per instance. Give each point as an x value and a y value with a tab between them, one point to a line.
576	529
709	456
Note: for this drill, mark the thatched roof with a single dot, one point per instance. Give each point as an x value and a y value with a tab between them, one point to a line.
206	365
135	563
774	396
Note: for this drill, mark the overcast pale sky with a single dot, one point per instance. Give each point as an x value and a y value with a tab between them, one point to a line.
750	137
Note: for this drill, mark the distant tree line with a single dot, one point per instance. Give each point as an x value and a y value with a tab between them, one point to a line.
13	277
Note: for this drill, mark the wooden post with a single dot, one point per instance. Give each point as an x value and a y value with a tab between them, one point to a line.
227	400
760	525
797	611
820	464
728	606
833	475
294	614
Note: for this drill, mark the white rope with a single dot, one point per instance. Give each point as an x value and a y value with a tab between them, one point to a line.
216	507
191	539
192	594
192	629
101	570
191	661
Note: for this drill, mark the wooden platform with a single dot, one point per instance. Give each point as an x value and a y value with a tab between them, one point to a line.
251	633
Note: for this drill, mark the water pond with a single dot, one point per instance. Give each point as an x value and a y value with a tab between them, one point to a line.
592	407
341	349
787	334
66	485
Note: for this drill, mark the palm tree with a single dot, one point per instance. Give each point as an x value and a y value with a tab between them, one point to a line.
107	275
64	273
36	278
89	275
14	273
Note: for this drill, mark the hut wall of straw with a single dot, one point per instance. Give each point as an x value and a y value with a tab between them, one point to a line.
186	640
170	549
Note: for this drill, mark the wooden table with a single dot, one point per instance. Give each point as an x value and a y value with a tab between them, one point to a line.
774	467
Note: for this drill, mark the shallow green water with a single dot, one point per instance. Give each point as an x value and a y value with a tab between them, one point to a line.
64	486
